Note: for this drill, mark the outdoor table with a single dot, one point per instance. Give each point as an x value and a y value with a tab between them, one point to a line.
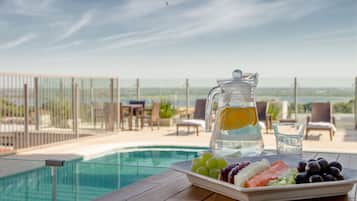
139	112
172	185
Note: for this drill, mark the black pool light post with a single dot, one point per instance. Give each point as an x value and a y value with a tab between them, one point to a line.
53	164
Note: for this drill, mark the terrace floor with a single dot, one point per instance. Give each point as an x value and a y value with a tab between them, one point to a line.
345	141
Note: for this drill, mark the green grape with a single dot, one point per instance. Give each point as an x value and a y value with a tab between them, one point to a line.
214	173
221	163
205	156
196	163
202	171
194	167
211	163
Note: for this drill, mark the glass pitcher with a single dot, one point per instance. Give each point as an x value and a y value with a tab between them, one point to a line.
236	130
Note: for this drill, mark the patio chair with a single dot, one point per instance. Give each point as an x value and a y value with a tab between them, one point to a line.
154	115
265	120
122	116
321	119
198	118
98	114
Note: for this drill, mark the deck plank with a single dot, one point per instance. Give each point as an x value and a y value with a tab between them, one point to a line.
128	192
192	194
164	191
218	197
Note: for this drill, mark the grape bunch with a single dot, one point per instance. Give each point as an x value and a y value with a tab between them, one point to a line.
228	173
208	165
319	170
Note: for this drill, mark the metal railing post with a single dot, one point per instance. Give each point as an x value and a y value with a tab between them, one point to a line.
91	94
76	111
113	113
187	83
295	97
111	90
26	116
137	89
117	86
73	108
355	109
37	114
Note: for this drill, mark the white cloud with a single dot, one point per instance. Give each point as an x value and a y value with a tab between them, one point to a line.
212	16
19	41
67	45
127	35
27	7
131	9
84	20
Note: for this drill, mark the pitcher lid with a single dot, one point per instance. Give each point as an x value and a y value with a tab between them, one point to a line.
238	77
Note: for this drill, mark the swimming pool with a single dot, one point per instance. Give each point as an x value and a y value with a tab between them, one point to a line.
84	180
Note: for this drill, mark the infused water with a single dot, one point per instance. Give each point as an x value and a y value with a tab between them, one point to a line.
238	132
232	118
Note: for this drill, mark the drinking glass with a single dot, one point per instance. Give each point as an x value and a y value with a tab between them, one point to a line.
289	138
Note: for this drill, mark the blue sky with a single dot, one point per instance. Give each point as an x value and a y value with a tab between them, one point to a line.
179	38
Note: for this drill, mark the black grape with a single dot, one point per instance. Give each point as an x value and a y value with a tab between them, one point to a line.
336	165
315	178
334	171
313	167
301	166
323	164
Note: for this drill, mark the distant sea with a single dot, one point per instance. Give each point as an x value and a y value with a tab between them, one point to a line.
310	89
305	95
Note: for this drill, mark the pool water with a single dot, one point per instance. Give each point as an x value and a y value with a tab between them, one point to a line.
84	180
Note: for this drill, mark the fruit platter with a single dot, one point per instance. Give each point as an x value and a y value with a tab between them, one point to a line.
269	177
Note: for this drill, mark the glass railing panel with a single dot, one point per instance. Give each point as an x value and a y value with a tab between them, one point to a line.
127	90
338	91
279	92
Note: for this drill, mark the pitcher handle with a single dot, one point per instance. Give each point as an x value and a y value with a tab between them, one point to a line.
209	105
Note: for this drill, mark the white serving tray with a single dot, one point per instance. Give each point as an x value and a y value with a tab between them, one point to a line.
277	193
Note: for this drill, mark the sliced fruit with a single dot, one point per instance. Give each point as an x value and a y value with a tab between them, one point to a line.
277	169
251	170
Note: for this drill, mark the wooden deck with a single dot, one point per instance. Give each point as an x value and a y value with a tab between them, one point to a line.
174	186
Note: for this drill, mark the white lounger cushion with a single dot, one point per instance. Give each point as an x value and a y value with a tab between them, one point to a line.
262	125
198	122
323	125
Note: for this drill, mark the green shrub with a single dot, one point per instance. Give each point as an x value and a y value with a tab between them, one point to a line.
338	107
167	110
274	110
9	109
343	107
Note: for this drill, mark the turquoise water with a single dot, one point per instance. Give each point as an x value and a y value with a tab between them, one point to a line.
86	180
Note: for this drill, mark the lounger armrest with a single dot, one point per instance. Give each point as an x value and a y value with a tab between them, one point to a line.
269	117
190	115
269	121
333	120
308	119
